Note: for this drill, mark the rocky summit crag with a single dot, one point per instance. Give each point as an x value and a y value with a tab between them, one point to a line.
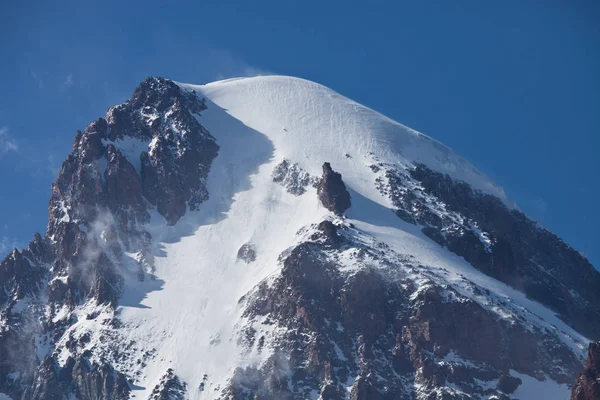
305	248
99	206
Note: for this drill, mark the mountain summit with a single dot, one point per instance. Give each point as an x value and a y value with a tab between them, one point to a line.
268	238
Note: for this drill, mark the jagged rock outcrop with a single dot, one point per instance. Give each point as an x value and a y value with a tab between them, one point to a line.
328	234
332	191
499	241
46	384
22	273
372	326
169	388
588	383
76	379
292	177
22	277
147	153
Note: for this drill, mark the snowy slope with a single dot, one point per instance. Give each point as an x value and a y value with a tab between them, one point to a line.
309	123
188	317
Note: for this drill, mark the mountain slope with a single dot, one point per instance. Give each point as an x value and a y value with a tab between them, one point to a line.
309	123
200	246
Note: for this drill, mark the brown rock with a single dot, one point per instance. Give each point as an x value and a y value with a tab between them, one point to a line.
328	233
332	191
588	383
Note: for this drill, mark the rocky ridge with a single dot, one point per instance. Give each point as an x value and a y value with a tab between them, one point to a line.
357	319
146	155
332	191
501	242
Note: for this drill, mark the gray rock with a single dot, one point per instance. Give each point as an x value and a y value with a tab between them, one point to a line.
170	387
292	177
508	384
247	253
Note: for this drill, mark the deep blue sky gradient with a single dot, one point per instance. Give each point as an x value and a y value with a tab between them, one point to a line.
513	86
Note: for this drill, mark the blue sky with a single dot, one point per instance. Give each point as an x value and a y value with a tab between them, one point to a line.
513	86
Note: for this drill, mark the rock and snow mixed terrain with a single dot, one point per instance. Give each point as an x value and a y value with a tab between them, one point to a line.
268	238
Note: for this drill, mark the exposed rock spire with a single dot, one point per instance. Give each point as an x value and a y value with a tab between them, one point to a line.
332	191
588	383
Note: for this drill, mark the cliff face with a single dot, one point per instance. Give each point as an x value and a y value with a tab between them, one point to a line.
588	383
288	288
332	191
147	154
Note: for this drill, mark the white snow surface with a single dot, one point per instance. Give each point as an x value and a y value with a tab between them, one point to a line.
187	318
309	123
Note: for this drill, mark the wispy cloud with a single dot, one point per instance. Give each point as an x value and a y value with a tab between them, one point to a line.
7	243
38	80
67	83
53	166
7	143
41	163
228	65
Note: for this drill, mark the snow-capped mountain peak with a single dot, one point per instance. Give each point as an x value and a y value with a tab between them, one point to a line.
269	238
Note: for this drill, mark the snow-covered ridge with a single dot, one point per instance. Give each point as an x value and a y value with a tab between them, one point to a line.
309	123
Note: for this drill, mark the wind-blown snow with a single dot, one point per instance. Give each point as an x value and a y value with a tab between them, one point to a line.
309	123
187	317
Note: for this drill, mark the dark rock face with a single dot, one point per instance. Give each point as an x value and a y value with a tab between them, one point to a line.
328	233
372	328
123	191
149	152
588	383
93	381
173	170
332	191
508	384
169	388
500	242
77	379
473	332
303	295
46	384
22	273
22	276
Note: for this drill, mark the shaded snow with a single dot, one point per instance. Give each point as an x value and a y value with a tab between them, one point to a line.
531	388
